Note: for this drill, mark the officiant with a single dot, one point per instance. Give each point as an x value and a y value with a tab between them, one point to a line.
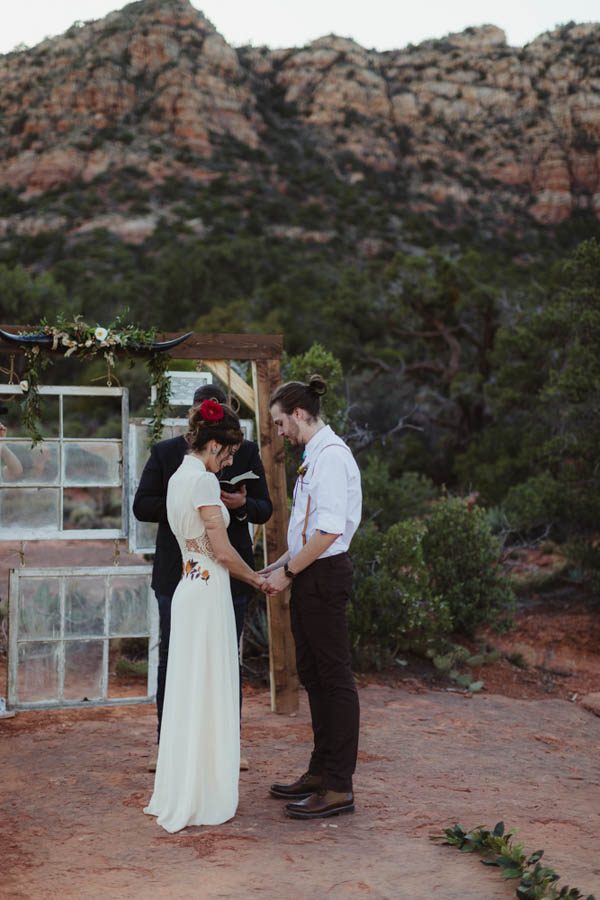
250	504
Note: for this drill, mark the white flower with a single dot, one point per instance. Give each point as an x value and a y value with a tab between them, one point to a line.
100	333
24	385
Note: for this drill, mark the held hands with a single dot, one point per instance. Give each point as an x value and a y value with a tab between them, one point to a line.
265	586
274	580
278	580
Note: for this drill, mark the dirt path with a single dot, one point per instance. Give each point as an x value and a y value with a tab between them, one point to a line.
74	783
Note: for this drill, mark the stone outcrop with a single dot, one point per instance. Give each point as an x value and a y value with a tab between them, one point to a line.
155	78
462	121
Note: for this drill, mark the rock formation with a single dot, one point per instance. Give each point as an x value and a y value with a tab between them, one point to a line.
155	90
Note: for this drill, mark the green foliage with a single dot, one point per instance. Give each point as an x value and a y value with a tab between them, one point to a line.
317	360
23	298
542	452
455	658
584	554
423	579
536	882
77	338
393	606
462	557
387	500
533	503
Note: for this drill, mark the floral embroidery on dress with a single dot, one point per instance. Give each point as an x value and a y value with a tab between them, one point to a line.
200	545
193	569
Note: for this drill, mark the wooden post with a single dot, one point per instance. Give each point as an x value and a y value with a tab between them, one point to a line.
266	375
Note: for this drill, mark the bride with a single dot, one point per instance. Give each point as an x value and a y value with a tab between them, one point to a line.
198	763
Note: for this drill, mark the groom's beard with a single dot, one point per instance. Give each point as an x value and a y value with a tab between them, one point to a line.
293	434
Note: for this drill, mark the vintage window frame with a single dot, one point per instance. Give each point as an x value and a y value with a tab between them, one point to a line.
61	391
62	573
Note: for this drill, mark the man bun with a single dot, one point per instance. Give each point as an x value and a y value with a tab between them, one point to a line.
317	384
300	395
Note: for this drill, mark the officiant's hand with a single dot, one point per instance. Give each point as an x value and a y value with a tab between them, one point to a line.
235	500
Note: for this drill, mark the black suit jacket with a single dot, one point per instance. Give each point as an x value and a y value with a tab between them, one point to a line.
150	505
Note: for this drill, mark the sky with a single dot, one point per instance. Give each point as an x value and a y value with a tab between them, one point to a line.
379	24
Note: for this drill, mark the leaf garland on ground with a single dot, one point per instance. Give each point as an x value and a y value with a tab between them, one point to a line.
536	882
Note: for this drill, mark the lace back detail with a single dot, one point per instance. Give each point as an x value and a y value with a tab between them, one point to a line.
200	545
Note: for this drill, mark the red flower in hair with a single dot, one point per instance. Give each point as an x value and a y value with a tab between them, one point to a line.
211	411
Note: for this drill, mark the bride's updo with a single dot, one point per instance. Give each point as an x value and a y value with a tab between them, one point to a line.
213	421
298	395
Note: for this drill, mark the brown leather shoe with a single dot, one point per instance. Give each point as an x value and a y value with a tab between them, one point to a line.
303	787
321	805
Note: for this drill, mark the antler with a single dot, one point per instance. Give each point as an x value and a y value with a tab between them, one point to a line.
46	340
41	340
167	345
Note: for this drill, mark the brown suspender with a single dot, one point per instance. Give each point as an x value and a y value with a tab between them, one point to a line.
305	522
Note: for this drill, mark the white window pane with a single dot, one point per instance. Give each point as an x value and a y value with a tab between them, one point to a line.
95	416
13	419
128	668
39	464
93	462
128	611
92	508
144	535
37	673
84	606
29	508
39	608
83	670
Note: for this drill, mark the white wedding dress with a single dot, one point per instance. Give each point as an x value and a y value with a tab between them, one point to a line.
197	770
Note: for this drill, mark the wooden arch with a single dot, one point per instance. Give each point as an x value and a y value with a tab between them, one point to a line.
264	353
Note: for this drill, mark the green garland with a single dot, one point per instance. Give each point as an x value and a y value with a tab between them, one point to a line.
77	338
536	882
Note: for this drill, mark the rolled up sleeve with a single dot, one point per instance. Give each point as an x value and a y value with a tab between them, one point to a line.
330	493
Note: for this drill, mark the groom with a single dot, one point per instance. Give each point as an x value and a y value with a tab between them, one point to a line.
325	515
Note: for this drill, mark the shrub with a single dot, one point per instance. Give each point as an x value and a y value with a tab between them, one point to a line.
534	503
584	554
387	500
461	555
393	607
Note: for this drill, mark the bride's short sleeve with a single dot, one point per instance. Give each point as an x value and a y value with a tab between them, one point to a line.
206	490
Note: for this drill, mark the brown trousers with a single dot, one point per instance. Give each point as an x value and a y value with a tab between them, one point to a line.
319	597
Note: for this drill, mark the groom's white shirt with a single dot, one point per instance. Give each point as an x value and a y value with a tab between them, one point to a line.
332	480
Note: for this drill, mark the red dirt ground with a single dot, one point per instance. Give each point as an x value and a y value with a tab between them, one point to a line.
524	750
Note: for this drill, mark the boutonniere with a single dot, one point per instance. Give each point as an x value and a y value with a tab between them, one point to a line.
302	469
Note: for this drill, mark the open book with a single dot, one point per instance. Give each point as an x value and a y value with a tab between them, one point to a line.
235	484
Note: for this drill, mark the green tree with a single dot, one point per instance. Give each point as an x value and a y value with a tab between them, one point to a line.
543	448
25	298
